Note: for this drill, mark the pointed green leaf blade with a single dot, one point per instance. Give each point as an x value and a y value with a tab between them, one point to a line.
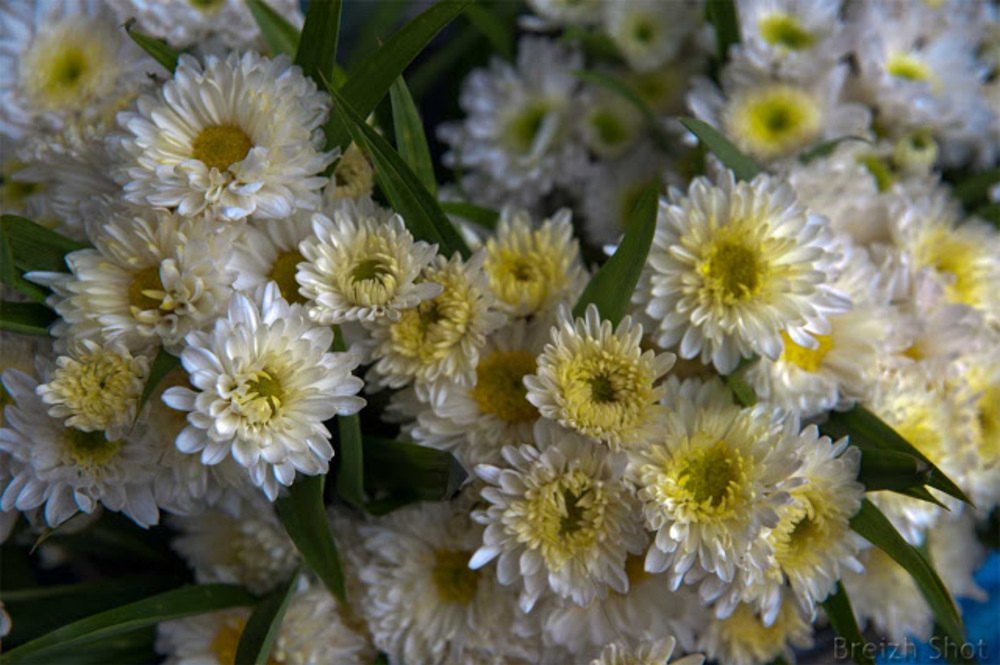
280	35
34	247
838	609
162	52
26	318
410	139
742	166
722	14
317	52
611	288
263	625
472	213
303	514
410	471
891	470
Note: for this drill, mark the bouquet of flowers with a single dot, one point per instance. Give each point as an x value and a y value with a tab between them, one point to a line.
575	331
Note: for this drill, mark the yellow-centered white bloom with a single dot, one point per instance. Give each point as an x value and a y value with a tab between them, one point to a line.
743	639
597	380
235	137
96	387
268	251
733	266
646	653
264	382
360	267
794	39
531	269
648	33
560	517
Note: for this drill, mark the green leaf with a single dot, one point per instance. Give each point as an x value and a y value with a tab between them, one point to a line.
923	494
498	33
472	213
838	609
183	602
741	165
25	247
826	148
891	470
280	35
875	527
975	189
303	514
350	472
621	89
26	318
163	364
401	187
410	139
263	625
611	288
317	51
411	472
990	213
162	52
373	76
722	14
742	390
869	431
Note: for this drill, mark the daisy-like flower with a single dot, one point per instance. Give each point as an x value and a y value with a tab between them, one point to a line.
743	639
67	470
532	269
560	517
152	277
734	266
611	125
792	38
440	338
710	485
649	33
886	595
96	387
237	137
422	602
264	383
360	266
353	177
268	251
647	653
597	380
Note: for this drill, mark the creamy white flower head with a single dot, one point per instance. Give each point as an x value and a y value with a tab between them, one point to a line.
980	376
611	125
237	137
530	268
709	488
596	379
647	653
743	639
253	550
440	338
268	251
734	265
560	517
96	387
422	602
153	277
792	38
649	33
772	119
67	470
516	144
886	596
360	267
264	383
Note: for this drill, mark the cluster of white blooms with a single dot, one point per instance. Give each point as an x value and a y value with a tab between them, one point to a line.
237	288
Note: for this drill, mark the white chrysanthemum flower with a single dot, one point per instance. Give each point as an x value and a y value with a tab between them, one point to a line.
360	267
611	125
597	380
96	387
649	33
773	119
743	639
886	595
268	251
560	517
183	23
517	143
237	137
980	376
264	383
440	338
153	277
710	485
353	178
734	266
66	469
611	190
794	39
253	550
475	422
647	653
531	269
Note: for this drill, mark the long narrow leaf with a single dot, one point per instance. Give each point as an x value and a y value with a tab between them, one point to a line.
732	158
722	14
875	527
890	470
410	139
611	288
280	35
317	52
838	609
175	604
411	471
26	318
162	52
303	514
262	627
472	213
34	247
407	196
370	80
350	472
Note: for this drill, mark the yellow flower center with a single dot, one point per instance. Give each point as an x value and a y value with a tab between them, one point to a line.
522	127
431	331
373	279
643	27
221	146
773	121
500	390
561	518
711	476
959	257
609	128
785	30
805	358
261	397
526	268
908	66
454	580
90	450
146	290
96	390
283	273
733	270
353	175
